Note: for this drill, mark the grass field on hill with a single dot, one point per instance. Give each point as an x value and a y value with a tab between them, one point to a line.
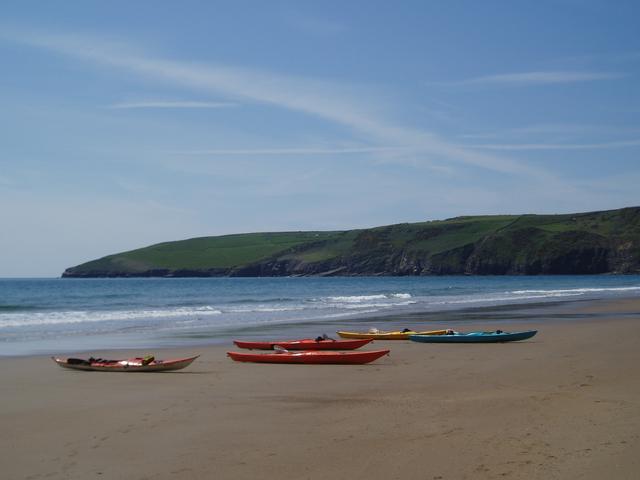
513	241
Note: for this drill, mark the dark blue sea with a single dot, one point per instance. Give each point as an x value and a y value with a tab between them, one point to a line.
62	315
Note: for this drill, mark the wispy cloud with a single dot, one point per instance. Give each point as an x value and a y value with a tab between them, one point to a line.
539	78
293	151
326	100
561	146
171	104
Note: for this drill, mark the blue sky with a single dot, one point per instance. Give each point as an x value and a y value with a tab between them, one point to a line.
125	124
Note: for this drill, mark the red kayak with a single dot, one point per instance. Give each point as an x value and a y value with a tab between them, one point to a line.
305	344
310	357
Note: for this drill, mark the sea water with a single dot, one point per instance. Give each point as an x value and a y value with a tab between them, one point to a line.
63	315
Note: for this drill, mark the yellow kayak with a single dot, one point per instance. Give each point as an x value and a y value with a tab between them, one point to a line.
381	335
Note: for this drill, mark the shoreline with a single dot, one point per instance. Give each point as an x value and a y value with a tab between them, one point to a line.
460	319
563	404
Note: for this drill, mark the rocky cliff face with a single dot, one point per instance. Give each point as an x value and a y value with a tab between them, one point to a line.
487	258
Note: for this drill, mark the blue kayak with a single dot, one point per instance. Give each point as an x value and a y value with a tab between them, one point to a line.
474	337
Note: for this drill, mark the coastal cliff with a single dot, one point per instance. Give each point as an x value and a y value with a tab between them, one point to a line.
581	243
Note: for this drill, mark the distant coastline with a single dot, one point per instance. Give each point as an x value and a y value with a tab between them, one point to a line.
605	242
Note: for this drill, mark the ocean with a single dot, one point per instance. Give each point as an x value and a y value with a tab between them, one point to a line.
41	316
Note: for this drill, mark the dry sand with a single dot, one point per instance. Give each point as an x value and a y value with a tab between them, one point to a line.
565	405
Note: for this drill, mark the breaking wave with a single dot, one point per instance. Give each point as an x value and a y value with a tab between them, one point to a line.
367	298
576	291
58	318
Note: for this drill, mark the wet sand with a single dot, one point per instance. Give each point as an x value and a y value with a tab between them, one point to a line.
565	405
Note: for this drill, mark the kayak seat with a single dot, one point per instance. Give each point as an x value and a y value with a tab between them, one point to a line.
77	361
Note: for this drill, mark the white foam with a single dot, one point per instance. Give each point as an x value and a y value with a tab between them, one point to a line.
400	295
577	290
70	317
375	305
357	298
502	299
264	309
367	298
347	314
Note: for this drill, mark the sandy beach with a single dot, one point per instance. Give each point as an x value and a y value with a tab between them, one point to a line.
563	405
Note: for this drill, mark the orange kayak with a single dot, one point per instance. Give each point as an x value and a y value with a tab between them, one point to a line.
310	357
305	344
137	364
